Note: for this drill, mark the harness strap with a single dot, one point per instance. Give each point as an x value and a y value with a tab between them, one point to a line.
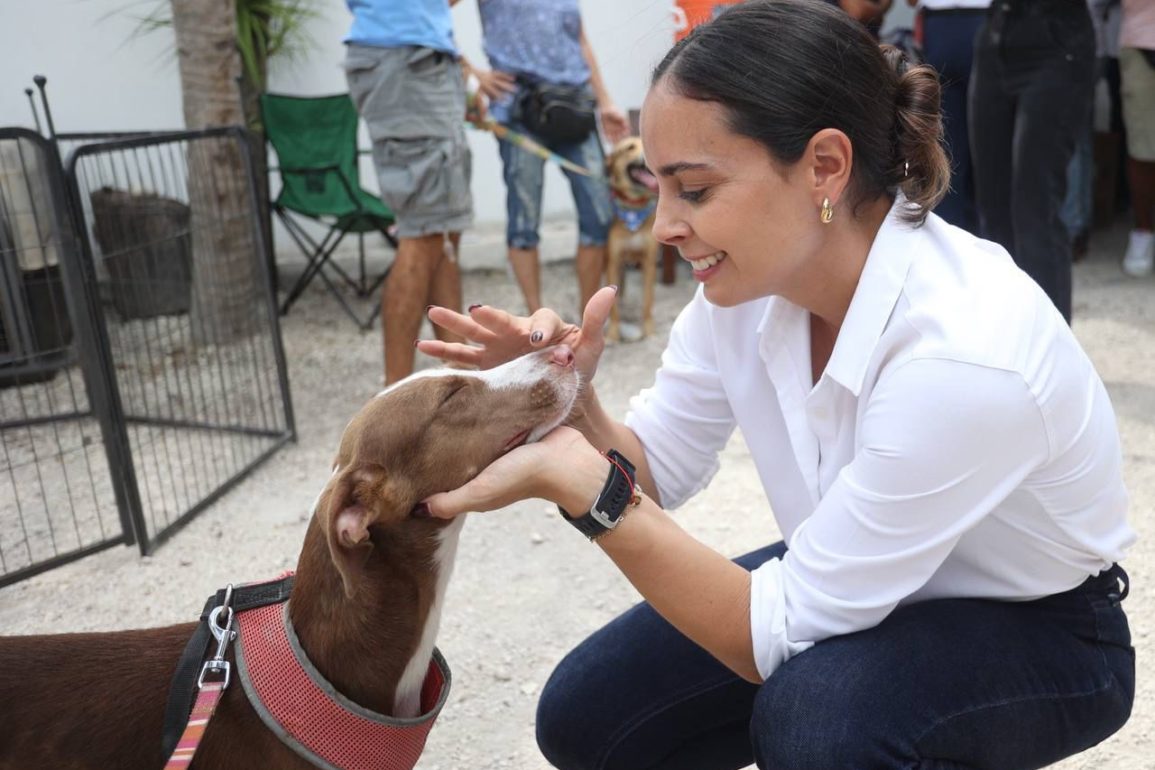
202	712
183	688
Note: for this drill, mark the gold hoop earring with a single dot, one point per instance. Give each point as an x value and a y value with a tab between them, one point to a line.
827	212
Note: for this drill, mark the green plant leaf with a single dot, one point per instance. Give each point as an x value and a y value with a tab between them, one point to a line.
266	29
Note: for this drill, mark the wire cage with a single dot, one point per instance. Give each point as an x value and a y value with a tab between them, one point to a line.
57	494
150	378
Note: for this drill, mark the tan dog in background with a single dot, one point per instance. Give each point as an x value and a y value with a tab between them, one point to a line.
634	190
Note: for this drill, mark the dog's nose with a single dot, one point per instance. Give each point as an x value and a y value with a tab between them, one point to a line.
562	356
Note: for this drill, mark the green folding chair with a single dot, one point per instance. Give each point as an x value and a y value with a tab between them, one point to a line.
315	139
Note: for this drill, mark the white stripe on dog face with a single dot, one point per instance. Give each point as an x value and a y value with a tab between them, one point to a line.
520	372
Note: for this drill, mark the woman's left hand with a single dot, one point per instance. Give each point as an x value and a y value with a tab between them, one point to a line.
563	467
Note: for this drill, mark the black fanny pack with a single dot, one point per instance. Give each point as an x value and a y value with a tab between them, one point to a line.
557	113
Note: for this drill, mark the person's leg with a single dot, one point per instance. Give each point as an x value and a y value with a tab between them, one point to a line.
526	266
403	300
425	268
948	46
1050	63
1076	210
638	695
446	286
591	195
1136	87
590	265
991	118
524	175
960	684
423	178
1141	176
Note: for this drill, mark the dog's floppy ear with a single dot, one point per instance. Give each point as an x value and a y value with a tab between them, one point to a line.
351	503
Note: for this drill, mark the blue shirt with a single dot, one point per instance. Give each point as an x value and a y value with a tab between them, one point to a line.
396	23
538	40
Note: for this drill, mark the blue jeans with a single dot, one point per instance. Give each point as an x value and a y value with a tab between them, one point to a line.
1078	207
950	684
948	46
1031	92
524	177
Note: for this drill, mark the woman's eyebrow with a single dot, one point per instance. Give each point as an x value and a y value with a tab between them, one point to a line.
674	168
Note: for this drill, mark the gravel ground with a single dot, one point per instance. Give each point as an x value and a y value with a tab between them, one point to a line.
513	610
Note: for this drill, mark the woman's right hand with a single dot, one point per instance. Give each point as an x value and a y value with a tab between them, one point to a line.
498	336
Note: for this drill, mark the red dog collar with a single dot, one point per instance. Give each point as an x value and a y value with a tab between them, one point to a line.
313	719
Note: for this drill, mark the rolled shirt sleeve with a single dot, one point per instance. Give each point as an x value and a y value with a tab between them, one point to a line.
684	420
940	444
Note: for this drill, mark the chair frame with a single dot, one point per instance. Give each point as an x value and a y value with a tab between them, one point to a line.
319	254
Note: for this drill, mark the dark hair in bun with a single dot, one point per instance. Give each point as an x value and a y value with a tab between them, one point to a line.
785	69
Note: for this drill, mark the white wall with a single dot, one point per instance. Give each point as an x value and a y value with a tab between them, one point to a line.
100	77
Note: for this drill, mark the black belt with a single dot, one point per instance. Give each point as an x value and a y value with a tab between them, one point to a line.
1115	579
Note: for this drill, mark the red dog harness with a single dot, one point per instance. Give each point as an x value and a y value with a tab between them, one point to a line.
288	693
310	717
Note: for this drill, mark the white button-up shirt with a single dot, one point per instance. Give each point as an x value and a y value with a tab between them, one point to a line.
958	444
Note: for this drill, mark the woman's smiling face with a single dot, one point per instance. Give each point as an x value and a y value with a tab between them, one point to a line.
746	223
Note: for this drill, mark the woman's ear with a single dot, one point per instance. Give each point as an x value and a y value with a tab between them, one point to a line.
830	157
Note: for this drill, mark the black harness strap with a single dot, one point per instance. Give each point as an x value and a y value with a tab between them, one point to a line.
182	690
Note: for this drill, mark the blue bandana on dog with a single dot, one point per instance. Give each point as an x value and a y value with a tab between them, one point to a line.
633	217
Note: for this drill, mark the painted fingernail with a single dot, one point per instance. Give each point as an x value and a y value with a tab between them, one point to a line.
614	286
421	511
535	337
475	306
429	307
415	342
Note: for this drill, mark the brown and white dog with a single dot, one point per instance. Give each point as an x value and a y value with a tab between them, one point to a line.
634	192
365	604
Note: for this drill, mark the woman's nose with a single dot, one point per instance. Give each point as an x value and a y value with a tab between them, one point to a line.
668	227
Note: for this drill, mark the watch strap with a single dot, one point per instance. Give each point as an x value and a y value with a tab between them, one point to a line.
616	495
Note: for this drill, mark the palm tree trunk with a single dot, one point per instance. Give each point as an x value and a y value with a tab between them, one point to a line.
251	91
226	292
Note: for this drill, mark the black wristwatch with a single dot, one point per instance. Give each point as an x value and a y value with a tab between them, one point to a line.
618	493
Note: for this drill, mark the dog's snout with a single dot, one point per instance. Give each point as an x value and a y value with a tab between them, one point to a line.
562	355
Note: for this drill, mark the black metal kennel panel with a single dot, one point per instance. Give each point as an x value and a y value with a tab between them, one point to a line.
169	228
60	494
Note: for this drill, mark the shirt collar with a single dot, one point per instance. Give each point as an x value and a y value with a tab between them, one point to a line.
879	287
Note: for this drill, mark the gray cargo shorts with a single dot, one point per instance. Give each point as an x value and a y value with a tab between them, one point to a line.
413	101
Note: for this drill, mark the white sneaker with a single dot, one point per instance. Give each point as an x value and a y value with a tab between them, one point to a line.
1140	257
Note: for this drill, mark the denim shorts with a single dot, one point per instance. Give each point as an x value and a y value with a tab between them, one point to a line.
524	176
